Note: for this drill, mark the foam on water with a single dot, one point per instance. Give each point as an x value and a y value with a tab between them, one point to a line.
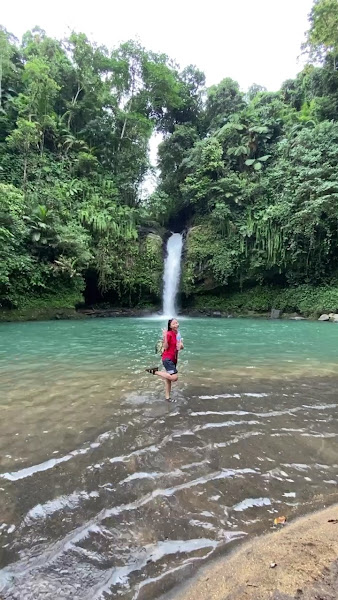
171	275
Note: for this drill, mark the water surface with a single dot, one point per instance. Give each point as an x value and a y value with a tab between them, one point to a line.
107	491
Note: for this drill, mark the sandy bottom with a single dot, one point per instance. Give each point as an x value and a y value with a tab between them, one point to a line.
306	556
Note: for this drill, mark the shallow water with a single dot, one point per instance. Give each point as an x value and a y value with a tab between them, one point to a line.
107	491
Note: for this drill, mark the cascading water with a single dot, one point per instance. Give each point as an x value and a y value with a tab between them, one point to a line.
171	275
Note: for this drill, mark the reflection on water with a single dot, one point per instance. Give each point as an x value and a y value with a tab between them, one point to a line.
106	491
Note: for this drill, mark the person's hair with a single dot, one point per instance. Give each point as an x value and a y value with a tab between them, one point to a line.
169	324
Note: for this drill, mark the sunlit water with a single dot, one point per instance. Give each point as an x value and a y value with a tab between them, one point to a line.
107	491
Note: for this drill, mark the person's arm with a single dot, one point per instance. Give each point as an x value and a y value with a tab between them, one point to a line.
181	344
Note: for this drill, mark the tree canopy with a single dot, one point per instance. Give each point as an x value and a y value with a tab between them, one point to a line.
75	124
251	177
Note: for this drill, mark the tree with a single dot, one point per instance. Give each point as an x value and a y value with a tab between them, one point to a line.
223	101
23	139
322	37
251	176
253	90
6	65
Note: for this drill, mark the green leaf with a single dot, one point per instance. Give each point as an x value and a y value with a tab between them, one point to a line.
237	126
249	162
264	158
257	166
241	150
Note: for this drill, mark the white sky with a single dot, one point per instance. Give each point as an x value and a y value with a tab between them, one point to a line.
252	41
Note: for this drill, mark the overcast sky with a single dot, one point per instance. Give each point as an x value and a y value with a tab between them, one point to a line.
252	41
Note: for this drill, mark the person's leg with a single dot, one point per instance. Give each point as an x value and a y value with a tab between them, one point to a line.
168	376
165	375
167	384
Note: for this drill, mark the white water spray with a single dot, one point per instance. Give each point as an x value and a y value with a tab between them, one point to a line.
171	275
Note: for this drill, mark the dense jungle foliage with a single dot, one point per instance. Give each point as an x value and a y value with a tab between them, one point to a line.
251	177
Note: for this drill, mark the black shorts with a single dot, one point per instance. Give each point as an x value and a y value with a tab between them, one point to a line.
169	366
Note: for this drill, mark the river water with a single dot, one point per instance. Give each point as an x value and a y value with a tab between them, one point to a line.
107	491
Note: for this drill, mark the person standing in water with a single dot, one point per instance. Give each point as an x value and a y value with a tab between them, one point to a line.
172	344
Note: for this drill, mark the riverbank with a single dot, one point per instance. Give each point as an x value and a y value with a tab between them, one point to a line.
52	314
297	562
302	302
55	314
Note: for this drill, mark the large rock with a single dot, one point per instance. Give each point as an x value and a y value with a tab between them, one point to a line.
334	318
298	318
324	318
275	313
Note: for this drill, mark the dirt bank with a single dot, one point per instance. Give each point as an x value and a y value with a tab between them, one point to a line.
305	553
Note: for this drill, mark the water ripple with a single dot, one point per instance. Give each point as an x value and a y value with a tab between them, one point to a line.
106	491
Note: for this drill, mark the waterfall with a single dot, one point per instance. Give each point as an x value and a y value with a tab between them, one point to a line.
171	275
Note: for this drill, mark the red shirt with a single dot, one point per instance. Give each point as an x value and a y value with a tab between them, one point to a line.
171	351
